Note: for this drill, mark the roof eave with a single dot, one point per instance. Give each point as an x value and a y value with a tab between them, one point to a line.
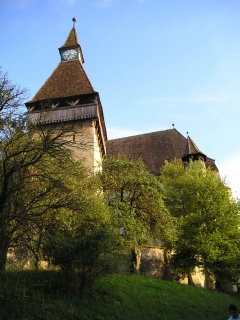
42	101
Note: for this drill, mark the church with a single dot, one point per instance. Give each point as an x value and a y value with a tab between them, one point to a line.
68	97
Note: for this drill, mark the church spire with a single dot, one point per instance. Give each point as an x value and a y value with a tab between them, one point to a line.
71	46
192	152
69	78
72	39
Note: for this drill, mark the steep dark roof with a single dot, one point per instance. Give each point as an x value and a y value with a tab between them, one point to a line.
68	79
154	148
72	39
191	148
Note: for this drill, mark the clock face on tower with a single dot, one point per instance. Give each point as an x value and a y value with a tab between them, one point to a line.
69	54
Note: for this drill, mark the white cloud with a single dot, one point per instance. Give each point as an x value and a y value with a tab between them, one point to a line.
230	168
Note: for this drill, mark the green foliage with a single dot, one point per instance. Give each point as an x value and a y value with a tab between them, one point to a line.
207	217
51	185
46	198
35	169
82	257
38	178
12	162
82	242
135	198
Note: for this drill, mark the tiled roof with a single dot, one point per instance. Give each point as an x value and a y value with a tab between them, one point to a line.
191	148
72	39
154	148
68	79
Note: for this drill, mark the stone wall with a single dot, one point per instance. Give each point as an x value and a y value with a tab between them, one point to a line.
153	263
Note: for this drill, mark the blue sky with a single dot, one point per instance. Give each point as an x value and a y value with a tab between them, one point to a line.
154	63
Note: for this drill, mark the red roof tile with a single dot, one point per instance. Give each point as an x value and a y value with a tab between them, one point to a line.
191	148
72	39
68	79
154	148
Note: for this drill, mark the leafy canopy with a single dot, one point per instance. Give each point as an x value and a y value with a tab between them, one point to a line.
135	198
207	216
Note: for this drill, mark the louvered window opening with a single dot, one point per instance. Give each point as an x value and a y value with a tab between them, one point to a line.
62	115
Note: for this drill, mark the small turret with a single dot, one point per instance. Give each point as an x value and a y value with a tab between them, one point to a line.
193	152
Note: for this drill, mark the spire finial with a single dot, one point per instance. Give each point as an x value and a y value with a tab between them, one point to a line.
74	20
187	133
173	125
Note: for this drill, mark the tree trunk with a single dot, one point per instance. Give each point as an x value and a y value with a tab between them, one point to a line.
4	243
190	280
136	260
36	262
3	251
167	273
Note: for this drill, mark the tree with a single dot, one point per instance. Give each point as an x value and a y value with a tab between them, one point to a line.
207	220
33	168
135	198
12	96
49	189
82	241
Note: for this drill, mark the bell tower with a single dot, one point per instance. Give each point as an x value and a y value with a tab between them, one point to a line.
67	97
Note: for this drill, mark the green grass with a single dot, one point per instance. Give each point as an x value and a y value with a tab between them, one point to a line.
41	295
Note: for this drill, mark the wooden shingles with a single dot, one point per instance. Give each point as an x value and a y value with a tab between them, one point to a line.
72	39
68	79
191	148
154	148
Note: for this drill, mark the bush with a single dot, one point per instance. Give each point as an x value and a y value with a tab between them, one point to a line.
82	256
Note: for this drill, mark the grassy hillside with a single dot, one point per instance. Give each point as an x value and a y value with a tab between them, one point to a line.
26	296
147	298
